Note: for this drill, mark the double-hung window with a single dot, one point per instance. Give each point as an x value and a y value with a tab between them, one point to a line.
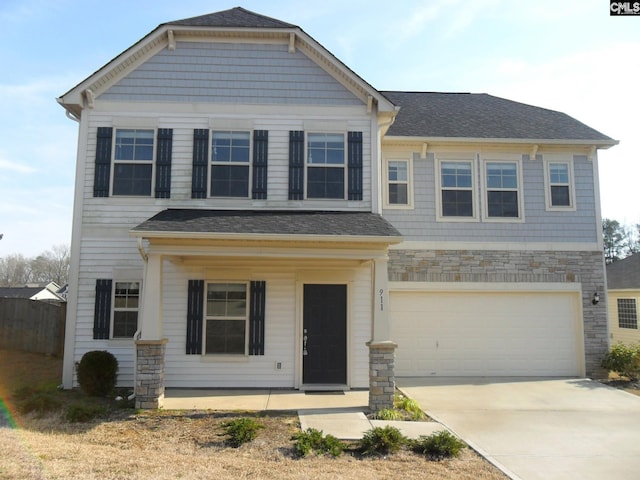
133	162
230	162
456	188
398	186
226	318
325	165
126	298
627	313
559	184
502	190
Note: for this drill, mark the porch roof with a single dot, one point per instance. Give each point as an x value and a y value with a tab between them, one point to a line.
269	224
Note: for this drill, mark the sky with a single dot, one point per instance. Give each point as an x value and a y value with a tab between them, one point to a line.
570	56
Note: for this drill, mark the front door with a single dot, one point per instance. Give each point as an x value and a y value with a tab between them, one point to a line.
324	359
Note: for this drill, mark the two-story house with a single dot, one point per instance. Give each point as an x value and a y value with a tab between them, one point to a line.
249	212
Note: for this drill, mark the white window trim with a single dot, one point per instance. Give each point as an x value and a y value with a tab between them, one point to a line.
211	163
113	306
618	312
470	158
398	206
497	158
112	177
547	160
207	317
345	166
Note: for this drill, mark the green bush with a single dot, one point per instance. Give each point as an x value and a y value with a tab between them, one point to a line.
84	413
389	414
241	430
382	440
38	400
314	440
97	373
623	360
439	445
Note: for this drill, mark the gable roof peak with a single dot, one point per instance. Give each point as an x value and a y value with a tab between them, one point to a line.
237	17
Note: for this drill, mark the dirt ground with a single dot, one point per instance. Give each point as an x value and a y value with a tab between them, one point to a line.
180	444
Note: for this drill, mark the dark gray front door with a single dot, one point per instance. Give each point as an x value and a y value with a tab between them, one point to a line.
324	358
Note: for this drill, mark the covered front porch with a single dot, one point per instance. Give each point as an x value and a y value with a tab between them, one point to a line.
264	300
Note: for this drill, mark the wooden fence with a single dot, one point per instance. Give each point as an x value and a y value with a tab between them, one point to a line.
32	326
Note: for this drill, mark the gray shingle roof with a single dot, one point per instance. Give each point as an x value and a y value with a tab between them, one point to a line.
19	292
269	222
624	273
234	18
466	115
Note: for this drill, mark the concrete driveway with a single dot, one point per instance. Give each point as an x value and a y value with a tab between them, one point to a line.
539	428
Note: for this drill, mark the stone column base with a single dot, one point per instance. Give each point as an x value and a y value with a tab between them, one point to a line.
382	378
149	384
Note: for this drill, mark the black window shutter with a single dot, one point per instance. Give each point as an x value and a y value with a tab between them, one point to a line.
355	165
195	316
256	318
163	162
102	174
296	165
102	312
200	163
260	154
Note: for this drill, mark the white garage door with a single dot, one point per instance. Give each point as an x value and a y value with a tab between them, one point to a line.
486	334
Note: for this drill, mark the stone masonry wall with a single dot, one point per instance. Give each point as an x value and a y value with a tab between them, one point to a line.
585	268
150	373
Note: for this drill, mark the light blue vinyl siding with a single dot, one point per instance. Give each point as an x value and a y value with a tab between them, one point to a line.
231	73
540	225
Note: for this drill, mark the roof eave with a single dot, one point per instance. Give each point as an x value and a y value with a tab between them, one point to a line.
600	143
267	237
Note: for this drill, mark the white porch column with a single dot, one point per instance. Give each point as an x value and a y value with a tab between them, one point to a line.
382	380
150	324
150	348
381	328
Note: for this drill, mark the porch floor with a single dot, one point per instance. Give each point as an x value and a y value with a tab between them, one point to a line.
262	399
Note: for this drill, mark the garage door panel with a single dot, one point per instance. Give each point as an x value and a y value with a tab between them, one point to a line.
488	333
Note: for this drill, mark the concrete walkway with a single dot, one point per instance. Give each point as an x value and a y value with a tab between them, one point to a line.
536	428
341	414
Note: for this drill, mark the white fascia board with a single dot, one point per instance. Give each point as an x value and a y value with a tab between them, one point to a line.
603	144
270	237
550	287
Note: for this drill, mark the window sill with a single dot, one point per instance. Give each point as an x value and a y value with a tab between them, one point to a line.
211	358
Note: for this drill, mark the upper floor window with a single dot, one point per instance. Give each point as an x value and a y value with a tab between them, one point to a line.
398	183
559	185
627	313
133	162
226	318
125	309
230	164
325	165
502	185
456	189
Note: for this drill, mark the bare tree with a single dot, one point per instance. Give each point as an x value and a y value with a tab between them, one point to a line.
50	266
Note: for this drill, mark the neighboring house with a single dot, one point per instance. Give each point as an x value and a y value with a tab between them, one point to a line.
255	214
50	292
623	286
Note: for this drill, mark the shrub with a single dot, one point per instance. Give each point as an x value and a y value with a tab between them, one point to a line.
382	440
624	360
241	430
40	401
314	440
97	373
411	407
439	445
84	413
389	414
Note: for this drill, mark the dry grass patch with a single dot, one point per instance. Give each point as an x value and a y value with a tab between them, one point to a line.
187	445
